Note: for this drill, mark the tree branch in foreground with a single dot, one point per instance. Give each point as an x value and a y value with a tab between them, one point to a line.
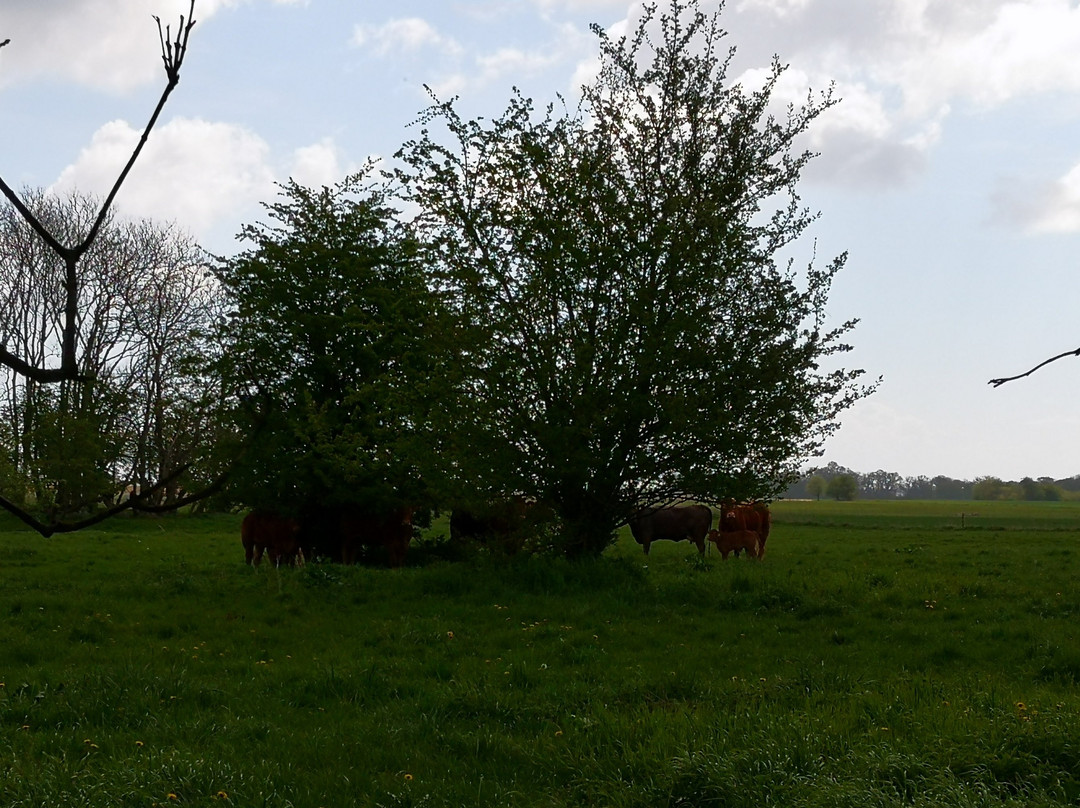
999	382
133	503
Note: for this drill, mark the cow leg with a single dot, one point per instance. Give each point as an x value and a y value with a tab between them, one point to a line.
395	552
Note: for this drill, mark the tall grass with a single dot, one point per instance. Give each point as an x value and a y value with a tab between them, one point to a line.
879	655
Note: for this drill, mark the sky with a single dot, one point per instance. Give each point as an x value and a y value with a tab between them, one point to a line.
949	172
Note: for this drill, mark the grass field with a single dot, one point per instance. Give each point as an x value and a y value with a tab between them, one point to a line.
881	654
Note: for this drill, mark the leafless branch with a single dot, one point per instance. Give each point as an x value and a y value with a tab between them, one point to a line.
999	382
49	529
132	503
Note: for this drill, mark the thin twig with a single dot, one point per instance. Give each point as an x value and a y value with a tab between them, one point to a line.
999	382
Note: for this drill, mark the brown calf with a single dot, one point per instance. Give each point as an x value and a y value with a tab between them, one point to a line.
732	541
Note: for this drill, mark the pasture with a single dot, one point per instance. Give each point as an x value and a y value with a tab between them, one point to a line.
882	654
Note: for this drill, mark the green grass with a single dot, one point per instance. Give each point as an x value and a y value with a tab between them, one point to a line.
881	654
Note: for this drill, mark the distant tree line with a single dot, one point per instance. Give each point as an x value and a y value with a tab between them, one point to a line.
834	481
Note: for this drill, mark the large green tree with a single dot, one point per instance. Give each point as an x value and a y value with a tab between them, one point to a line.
635	337
329	348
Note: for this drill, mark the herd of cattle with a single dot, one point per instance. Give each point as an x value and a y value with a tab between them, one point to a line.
339	534
342	534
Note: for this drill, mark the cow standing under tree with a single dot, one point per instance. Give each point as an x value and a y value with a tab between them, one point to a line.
737	518
278	536
689	522
390	528
501	525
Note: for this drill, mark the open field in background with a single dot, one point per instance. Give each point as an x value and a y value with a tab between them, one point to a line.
881	654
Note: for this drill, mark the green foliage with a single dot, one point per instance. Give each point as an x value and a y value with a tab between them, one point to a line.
894	660
992	488
331	346
842	486
816	486
988	488
631	337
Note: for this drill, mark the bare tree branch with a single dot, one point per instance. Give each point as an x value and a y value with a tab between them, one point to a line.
47	530
999	382
172	54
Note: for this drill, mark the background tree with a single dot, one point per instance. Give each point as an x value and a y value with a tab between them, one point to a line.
948	488
329	349
125	424
919	487
633	337
842	487
815	486
881	484
990	488
65	366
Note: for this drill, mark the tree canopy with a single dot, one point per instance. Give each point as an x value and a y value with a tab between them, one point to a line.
632	336
328	348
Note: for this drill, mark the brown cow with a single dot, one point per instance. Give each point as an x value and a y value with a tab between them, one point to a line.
278	535
502	525
390	528
756	517
732	541
691	522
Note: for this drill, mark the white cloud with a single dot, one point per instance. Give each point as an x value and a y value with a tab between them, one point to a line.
514	61
902	67
406	34
1040	206
208	177
1020	48
195	172
108	44
320	164
463	68
578	5
781	8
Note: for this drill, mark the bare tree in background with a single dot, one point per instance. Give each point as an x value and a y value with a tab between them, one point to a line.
62	340
144	407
